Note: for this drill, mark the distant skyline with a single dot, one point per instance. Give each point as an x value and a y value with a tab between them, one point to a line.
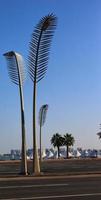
72	85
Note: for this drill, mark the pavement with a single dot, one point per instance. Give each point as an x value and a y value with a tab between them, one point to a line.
53	168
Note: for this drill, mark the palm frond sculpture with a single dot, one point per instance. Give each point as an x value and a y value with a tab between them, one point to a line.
16	71
42	118
38	60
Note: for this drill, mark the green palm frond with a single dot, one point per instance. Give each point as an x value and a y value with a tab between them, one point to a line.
15	67
68	139
57	140
99	134
40	46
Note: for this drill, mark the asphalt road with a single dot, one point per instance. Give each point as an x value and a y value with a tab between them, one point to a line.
73	188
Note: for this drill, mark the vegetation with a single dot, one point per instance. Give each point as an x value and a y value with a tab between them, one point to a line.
99	135
67	140
57	140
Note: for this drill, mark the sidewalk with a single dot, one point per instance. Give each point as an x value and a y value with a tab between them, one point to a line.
55	168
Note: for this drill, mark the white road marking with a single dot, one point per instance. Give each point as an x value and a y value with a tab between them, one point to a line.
57	196
33	186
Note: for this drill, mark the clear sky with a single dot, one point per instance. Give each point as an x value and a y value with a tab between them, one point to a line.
72	85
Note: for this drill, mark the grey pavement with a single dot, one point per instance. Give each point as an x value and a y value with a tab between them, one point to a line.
54	167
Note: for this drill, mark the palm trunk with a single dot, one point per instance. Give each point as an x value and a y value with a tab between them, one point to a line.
58	152
36	166
67	152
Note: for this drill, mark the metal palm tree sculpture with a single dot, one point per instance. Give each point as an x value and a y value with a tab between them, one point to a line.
16	72
38	60
42	118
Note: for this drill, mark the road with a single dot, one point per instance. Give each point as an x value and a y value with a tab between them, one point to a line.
51	188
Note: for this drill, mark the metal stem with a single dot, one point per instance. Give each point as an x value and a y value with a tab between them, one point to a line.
40	142
36	166
23	149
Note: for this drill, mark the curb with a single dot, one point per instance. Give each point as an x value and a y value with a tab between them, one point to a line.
51	175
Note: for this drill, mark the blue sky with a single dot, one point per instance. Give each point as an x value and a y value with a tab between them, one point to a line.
72	85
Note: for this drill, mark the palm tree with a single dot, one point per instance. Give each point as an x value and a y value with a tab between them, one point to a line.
68	141
42	118
16	72
99	134
38	60
57	140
